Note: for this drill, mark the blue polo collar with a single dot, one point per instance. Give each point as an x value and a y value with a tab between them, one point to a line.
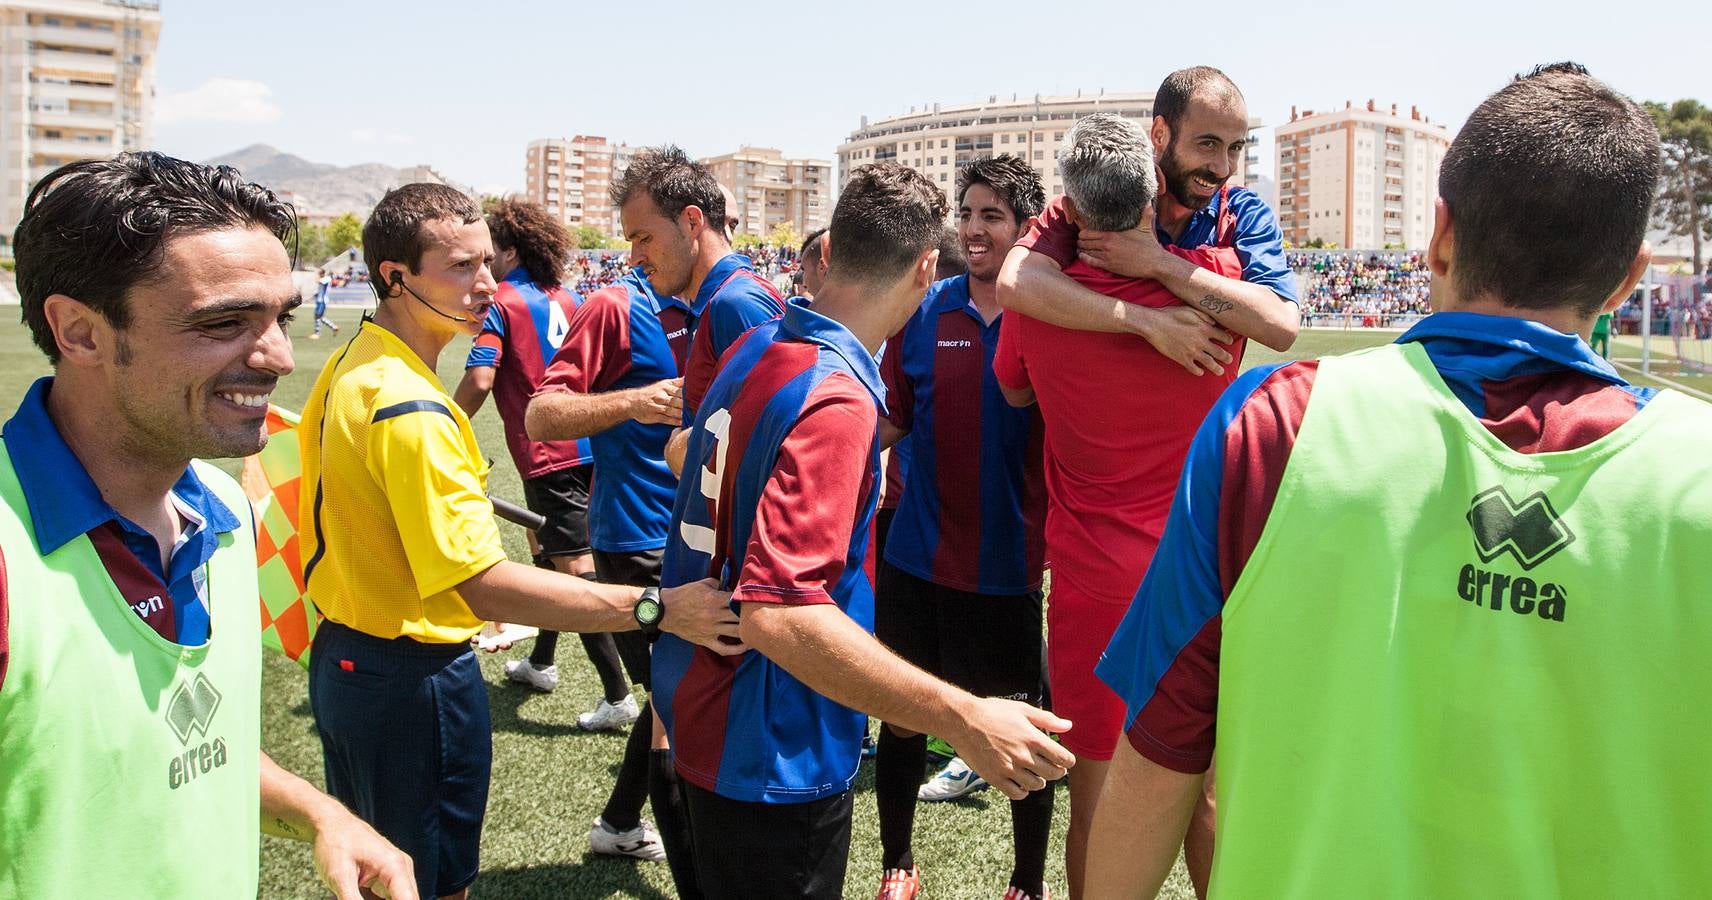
716	277
64	501
803	323
1522	335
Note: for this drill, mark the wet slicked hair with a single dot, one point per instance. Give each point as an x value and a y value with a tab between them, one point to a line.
94	229
1550	185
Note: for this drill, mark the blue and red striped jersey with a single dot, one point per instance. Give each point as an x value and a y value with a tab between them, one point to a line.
625	336
974	498
780	484
731	300
1538	390
524	328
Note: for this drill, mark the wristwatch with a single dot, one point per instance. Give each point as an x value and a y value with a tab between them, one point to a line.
649	611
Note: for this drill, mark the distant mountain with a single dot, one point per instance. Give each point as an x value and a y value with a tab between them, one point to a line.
324	188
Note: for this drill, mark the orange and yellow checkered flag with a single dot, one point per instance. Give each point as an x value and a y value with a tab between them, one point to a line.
271	480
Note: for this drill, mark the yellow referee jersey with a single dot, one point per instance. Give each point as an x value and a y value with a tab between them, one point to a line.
393	509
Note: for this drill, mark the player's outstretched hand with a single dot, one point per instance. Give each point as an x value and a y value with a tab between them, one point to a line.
354	861
1007	743
1190	339
660	403
699	612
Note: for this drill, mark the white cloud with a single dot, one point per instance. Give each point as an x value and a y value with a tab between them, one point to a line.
232	101
378	136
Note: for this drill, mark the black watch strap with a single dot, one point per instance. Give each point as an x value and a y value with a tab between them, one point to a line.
650	612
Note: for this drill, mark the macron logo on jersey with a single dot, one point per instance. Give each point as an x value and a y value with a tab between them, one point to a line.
955	345
677	334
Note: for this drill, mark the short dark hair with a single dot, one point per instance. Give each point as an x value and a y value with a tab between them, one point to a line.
1180	87
886	216
809	241
1550	185
393	232
1009	177
673	181
542	244
951	260
93	229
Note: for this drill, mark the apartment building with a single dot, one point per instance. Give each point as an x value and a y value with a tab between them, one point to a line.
77	81
573	178
936	139
772	190
1359	177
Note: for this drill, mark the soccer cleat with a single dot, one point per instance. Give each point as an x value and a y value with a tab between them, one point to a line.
542	679
869	748
315	335
939	748
641	842
609	716
899	884
1015	893
954	781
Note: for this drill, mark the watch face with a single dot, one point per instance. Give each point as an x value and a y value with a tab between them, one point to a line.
648	610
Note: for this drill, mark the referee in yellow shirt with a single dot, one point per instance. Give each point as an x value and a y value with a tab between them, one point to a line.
404	559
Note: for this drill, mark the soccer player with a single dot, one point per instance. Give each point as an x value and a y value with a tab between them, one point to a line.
1109	479
1444	600
403	556
617	378
1199	132
959	584
323	284
786	460
160	292
530	315
1198	135
812	259
685	258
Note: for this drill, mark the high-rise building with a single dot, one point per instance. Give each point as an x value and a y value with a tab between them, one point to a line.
1359	177
573	178
772	190
77	81
935	139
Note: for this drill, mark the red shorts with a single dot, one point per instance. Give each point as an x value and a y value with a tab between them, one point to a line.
1078	627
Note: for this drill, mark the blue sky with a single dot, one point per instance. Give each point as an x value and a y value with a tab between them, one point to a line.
465	86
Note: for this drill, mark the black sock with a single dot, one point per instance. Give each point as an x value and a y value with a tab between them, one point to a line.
604	654
673	822
898	765
546	644
1031	828
624	808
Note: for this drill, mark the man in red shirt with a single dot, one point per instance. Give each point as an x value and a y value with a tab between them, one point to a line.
1119	416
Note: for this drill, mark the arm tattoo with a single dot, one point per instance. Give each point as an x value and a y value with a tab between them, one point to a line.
1211	303
286	829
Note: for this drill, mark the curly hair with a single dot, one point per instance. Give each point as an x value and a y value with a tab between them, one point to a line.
542	244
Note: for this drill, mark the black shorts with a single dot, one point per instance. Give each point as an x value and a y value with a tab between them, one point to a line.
638	568
882	526
407	744
762	851
987	644
562	498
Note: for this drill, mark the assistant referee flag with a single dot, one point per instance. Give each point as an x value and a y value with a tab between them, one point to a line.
271	480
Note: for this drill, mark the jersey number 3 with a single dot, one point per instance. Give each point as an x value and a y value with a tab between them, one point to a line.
700	537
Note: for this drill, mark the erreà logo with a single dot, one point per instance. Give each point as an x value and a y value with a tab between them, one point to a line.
192	708
1530	531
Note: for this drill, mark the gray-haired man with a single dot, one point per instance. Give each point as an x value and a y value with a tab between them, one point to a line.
1109	483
